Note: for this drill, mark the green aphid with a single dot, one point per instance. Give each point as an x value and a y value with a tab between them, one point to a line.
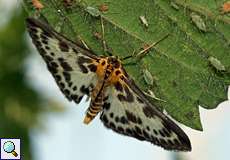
198	21
174	5
93	11
148	77
216	63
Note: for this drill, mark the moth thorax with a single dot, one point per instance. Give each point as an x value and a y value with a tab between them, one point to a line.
114	61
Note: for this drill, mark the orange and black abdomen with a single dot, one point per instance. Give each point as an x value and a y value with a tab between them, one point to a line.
95	104
104	71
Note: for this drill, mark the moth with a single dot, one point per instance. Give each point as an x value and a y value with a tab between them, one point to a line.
122	106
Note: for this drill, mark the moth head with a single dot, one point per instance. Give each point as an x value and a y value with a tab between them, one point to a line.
114	61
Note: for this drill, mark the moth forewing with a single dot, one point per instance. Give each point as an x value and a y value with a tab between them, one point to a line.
65	60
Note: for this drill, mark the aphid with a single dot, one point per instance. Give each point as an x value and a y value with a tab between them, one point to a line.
103	8
198	21
93	11
216	63
144	21
122	105
174	5
148	77
225	8
37	4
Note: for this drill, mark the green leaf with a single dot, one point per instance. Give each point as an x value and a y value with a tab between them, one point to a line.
180	65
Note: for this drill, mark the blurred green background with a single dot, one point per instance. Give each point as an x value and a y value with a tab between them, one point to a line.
19	103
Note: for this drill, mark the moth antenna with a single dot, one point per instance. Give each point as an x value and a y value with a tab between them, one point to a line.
146	49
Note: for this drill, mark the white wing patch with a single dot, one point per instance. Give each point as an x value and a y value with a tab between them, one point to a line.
70	65
134	116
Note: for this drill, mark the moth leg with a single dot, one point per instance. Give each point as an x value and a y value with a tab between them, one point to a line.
107	50
103	35
143	52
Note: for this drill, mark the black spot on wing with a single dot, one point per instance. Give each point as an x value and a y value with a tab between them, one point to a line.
166	132
52	67
162	133
92	67
128	97
70	84
149	111
47	33
47	47
139	100
138	130
111	115
67	76
84	90
120	129
83	69
124	120
131	117
66	66
104	119
106	106
45	41
57	77
116	119
61	85
81	61
76	98
63	46
155	132
118	86
74	88
46	57
146	134
112	125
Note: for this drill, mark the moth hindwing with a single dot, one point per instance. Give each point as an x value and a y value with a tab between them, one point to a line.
123	106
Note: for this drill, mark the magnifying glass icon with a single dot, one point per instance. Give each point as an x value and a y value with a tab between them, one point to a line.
9	147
